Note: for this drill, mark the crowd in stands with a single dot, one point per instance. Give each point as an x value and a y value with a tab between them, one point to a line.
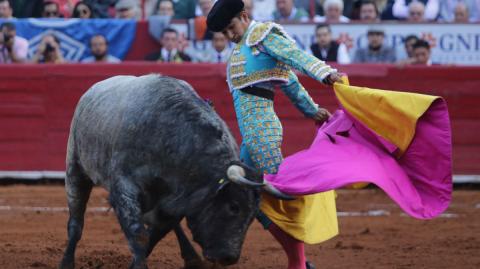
174	46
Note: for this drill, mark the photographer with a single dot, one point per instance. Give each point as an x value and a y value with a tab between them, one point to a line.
48	51
13	49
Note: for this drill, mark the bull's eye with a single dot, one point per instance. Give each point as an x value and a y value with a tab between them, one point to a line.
233	208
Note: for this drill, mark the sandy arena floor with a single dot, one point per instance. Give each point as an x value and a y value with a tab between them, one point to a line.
374	233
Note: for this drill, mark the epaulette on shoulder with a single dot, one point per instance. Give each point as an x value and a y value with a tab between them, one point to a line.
261	30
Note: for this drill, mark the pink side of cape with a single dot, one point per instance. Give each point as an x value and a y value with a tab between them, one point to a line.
345	152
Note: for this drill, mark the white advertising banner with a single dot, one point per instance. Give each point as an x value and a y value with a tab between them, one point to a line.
451	43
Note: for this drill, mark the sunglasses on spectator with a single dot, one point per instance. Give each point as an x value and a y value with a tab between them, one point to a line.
83	11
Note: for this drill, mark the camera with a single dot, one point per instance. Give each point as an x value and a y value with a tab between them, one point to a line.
49	48
6	37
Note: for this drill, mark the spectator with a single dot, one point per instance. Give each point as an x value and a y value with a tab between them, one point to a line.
50	9
461	13
66	7
402	8
421	53
48	51
6	11
200	22
368	12
13	49
326	49
416	12
448	9
219	52
377	51
99	50
351	9
408	43
165	8
333	12
82	10
287	12
263	9
171	51
127	9
161	19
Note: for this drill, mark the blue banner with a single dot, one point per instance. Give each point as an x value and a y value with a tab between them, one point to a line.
75	34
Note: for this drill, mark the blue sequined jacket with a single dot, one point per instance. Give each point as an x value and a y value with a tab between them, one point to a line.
264	58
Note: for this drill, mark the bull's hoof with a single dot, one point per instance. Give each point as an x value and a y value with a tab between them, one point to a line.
66	264
138	265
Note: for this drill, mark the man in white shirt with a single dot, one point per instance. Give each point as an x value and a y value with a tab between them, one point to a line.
219	52
402	8
99	49
13	49
416	12
333	12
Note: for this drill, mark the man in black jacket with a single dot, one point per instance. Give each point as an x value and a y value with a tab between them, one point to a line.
171	51
326	49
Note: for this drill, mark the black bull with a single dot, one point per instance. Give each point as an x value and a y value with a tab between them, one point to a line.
163	154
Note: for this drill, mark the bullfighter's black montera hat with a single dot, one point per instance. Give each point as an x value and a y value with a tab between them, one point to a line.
222	13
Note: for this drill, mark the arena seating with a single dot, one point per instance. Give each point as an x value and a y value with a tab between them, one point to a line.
37	104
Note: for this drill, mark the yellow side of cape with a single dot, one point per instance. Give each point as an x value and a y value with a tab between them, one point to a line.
311	218
392	115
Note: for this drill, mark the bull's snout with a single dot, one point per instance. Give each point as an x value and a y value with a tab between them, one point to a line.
222	257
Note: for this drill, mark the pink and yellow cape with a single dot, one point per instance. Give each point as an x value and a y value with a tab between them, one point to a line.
399	141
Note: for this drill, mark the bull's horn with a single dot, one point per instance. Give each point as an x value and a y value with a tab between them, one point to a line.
276	193
237	174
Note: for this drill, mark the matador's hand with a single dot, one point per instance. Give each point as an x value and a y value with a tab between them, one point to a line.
321	116
332	78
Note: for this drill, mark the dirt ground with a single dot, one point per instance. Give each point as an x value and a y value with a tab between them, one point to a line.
374	233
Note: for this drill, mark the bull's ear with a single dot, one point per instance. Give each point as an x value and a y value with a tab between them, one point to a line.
222	183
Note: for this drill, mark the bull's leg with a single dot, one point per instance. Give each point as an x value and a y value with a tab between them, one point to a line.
190	257
78	188
125	199
158	231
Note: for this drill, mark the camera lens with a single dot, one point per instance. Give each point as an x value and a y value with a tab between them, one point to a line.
49	48
6	37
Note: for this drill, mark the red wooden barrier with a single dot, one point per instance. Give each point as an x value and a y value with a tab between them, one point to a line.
37	103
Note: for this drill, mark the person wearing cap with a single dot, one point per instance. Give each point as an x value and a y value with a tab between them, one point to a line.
262	59
377	51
